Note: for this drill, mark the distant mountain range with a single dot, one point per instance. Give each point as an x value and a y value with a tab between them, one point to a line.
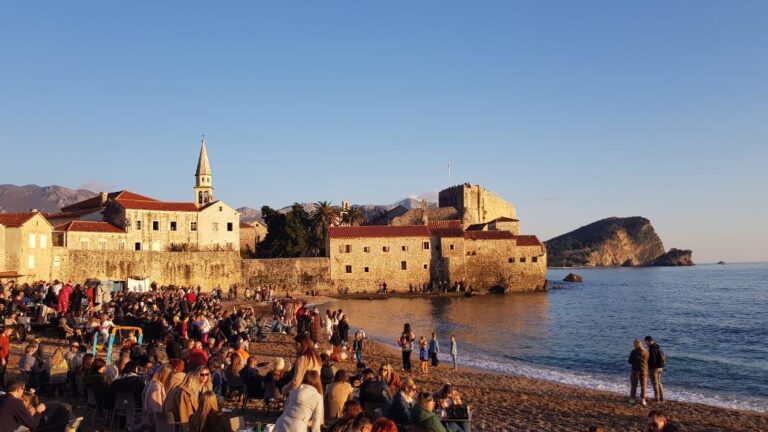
46	199
49	199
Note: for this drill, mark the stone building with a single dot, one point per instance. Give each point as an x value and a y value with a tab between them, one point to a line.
475	204
362	258
128	221
251	234
26	246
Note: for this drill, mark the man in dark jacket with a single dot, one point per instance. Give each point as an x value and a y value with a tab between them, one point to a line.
13	411
172	348
656	366
129	382
638	358
372	390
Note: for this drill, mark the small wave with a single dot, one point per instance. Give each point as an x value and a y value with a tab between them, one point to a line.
613	384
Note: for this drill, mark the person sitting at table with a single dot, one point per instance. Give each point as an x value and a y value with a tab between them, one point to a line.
351	410
373	391
337	393
423	416
15	412
208	418
402	404
96	381
304	406
251	379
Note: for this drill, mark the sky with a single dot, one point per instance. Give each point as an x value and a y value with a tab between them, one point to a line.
574	111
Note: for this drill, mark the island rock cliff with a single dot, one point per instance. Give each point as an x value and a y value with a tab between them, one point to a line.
614	241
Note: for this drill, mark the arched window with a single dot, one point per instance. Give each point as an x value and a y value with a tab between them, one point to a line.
200	197
207	197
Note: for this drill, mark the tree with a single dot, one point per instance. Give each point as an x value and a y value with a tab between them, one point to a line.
289	234
324	216
353	217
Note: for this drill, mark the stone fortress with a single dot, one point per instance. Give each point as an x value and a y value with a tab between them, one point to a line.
473	236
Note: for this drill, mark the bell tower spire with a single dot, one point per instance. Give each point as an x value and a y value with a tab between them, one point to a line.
203	177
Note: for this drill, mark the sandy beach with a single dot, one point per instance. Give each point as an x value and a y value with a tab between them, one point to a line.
513	403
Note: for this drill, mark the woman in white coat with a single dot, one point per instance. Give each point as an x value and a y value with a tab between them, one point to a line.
304	406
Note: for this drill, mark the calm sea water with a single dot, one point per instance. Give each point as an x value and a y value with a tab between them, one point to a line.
710	320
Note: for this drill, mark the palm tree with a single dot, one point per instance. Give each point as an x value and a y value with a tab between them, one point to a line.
353	217
323	217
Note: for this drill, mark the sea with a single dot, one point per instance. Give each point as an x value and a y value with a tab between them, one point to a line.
710	320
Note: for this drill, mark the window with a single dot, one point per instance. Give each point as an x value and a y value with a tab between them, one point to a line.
511	260
155	226
403	265
385	249
215	226
366	249
173	226
193	226
403	248
522	259
137	246
43	241
138	225
221	208
348	269
31	241
425	245
121	245
230	226
31	262
426	266
451	247
365	269
102	245
347	248
534	259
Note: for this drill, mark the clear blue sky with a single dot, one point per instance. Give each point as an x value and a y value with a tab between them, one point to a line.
574	111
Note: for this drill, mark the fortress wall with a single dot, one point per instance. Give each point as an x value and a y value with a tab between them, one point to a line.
288	274
475	204
208	270
489	263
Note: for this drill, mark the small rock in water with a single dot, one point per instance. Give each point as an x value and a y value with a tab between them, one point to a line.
573	277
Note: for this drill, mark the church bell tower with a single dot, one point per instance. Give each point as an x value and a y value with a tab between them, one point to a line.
203	178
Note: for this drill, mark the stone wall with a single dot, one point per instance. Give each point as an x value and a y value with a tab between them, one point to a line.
208	270
288	274
398	261
499	263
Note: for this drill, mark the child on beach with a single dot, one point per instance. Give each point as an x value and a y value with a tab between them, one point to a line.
424	355
357	346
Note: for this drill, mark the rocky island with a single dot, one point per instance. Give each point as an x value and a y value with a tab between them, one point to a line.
629	242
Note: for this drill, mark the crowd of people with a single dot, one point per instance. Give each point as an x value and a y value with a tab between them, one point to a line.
193	357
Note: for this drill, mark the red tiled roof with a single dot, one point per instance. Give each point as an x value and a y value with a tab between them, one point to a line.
374	231
505	219
488	235
158	205
95	202
446	228
15	219
10	275
89	226
527	240
64	215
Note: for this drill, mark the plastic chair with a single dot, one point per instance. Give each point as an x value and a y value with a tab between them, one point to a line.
124	407
74	425
165	422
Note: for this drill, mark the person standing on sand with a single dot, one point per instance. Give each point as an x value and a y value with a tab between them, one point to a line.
638	358
454	351
424	355
434	348
656	363
406	344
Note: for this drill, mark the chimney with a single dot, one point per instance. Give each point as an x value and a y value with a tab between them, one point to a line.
103	198
424	216
33	211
